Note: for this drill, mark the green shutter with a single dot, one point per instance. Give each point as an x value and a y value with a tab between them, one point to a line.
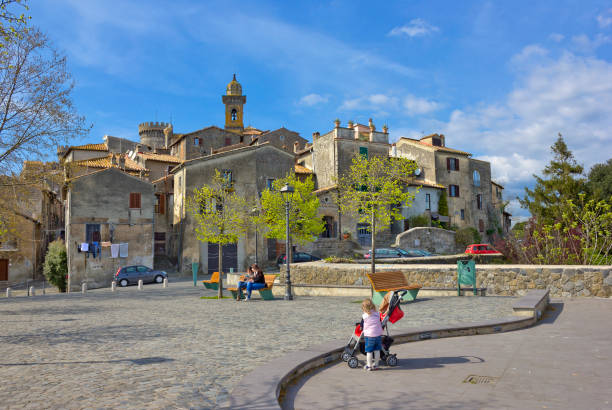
363	151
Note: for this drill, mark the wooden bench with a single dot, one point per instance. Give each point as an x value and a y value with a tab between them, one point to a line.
265	293
383	282
213	282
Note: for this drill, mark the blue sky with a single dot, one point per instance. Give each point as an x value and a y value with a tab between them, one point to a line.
499	79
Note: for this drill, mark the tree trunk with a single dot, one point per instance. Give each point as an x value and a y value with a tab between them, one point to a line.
220	291
373	253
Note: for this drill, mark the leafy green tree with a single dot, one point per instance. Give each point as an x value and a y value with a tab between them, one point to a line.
599	181
221	216
13	25
561	182
305	223
371	190
55	267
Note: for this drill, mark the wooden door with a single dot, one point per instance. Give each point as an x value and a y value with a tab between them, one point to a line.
4	269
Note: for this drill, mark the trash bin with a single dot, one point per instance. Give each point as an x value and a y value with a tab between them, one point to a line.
466	274
194	270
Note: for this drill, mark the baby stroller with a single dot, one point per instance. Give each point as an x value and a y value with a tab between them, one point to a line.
393	314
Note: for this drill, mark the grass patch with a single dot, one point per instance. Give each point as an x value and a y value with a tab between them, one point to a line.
215	297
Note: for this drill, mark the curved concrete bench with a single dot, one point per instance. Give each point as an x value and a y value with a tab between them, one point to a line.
266	384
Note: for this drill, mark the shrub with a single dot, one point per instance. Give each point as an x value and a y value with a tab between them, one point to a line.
337	259
467	236
418	220
55	267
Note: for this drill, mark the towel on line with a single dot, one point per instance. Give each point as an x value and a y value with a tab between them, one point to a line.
114	250
123	250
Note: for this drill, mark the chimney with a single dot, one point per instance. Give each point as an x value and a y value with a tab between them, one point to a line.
168	131
337	123
296	146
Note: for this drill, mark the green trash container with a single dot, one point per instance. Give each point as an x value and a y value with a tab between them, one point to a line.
194	270
466	275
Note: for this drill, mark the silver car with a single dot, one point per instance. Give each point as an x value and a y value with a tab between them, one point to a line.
130	275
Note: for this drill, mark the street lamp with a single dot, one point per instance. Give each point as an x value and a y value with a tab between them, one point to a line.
287	193
255	212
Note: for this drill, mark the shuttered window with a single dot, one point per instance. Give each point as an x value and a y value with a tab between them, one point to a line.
452	164
453	190
479	201
160	204
135	200
481	225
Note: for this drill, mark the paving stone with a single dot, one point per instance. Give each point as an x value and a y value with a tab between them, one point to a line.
166	348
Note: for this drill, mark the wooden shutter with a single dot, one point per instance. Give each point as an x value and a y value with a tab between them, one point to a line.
4	269
481	225
135	200
456	164
162	203
448	161
457	189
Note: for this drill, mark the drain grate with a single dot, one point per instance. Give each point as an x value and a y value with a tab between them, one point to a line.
475	379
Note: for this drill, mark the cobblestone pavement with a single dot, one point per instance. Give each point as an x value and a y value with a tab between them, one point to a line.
166	348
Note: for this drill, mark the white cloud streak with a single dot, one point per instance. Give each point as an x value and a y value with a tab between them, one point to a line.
604	19
312	99
415	28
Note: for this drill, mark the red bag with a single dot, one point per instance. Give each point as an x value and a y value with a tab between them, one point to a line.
358	330
395	316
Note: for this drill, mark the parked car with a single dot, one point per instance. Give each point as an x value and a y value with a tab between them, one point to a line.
130	275
297	257
397	253
480	248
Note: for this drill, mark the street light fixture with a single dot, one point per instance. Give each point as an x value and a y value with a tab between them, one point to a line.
255	212
287	193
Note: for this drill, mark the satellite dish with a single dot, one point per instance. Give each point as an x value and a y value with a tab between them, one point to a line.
417	172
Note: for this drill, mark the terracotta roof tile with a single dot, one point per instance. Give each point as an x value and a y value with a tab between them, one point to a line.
300	169
90	147
435	147
160	157
105	162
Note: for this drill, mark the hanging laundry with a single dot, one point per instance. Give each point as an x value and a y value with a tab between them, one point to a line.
115	250
105	244
123	250
84	247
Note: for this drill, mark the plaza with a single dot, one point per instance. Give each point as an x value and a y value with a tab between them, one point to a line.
167	348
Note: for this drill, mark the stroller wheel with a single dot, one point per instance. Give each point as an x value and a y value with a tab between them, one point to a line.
353	363
346	356
392	360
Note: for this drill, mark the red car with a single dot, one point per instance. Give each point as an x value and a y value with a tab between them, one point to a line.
479	248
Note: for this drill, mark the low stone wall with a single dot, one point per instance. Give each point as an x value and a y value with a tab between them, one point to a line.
324	247
502	280
488	258
434	240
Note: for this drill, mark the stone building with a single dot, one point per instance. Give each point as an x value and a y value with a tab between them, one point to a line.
34	212
505	220
251	170
467	180
107	207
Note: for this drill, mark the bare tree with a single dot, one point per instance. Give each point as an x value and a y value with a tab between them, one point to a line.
36	109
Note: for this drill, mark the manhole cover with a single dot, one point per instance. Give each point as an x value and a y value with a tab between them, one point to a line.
475	379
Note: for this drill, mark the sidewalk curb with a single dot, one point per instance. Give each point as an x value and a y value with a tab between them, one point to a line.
264	387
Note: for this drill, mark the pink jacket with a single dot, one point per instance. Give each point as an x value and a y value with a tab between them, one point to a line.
371	324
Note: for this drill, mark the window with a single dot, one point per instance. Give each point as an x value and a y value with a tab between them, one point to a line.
142	269
228	141
234	115
92	233
428	201
479	201
135	200
363	151
481	225
160	204
453	190
281	138
452	164
476	178
463	214
269	184
196	141
227	176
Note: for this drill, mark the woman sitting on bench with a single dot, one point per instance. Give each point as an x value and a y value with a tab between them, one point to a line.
256	280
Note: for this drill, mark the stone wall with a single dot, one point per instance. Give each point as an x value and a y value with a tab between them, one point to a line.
324	247
502	280
434	240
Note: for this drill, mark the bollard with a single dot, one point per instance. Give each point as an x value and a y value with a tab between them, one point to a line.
165	285
43	287
139	284
8	292
84	288
113	286
32	292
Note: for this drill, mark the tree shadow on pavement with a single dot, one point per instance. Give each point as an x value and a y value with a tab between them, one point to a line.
433	362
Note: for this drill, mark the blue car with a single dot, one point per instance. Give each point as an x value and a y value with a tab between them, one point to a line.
130	275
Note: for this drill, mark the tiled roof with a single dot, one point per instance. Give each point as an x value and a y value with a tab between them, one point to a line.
105	162
90	147
300	169
329	188
229	147
171	176
252	131
499	185
426	184
435	147
160	157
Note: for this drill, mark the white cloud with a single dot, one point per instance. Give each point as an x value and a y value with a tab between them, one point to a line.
584	44
605	18
556	37
571	94
408	105
312	99
415	28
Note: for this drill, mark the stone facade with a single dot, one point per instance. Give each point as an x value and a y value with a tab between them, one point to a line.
101	202
251	168
435	240
502	280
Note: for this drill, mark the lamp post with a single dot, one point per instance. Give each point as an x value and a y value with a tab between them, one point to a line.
287	192
255	212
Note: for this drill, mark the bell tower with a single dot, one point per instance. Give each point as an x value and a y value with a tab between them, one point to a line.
234	107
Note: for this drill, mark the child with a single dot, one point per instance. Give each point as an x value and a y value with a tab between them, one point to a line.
372	331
